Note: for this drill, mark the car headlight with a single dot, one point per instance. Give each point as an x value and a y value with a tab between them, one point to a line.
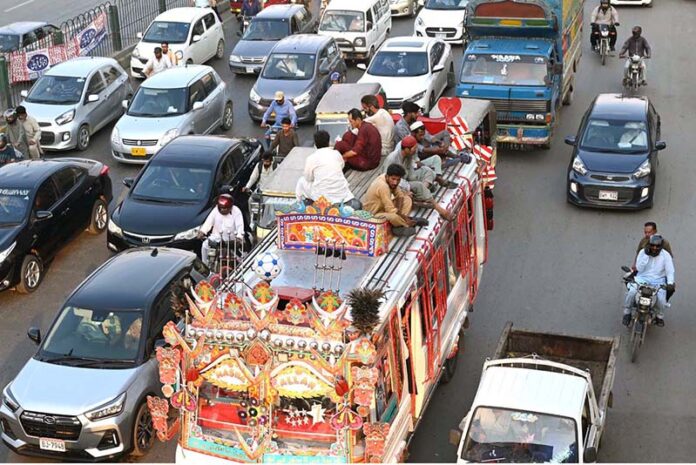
66	117
187	235
9	400
253	96
643	170
579	166
115	136
114	228
136	53
302	99
419	21
235	59
6	253
169	136
179	55
416	97
107	410
359	42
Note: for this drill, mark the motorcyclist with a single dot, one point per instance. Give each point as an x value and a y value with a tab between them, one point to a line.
604	13
636	45
250	8
282	108
655	267
226	219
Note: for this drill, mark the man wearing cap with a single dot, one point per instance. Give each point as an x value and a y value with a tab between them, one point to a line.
418	178
381	119
282	108
32	131
16	136
361	147
335	78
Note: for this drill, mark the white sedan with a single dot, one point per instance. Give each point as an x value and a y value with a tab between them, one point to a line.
417	69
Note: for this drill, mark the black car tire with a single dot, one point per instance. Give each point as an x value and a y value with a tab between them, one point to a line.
143	432
83	138
30	274
227	122
99	218
220	50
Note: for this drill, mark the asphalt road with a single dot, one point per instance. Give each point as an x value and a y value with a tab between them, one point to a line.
551	266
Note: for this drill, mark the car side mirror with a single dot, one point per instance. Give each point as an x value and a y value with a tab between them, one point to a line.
547	81
570	140
324	68
24	93
625	269
225	189
139	35
197	106
239	33
91	98
438	68
124	104
590	455
128	182
660	145
34	334
42	215
361	66
195	38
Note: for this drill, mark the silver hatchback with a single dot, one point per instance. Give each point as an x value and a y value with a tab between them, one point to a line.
184	100
75	99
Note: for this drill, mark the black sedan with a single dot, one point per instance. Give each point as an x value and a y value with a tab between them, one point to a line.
614	159
177	189
44	204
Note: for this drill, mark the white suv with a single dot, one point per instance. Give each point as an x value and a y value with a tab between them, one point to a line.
194	35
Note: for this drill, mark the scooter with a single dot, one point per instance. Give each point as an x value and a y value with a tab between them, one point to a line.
642	310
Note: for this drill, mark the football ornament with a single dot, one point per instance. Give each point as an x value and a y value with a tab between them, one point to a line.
268	266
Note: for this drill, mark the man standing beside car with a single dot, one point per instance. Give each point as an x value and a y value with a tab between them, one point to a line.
16	136
169	54
32	131
157	64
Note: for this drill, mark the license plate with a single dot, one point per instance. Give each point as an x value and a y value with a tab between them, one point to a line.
138	152
250	70
54	445
440	35
608	195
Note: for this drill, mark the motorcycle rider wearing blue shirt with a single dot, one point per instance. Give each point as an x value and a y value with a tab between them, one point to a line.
283	108
654	266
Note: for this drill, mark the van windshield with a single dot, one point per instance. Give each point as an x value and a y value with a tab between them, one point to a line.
446	4
343	21
499	69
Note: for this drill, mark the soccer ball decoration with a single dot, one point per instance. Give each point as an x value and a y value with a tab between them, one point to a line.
268	266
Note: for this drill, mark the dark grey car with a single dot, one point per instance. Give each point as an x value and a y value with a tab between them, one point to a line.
272	24
300	66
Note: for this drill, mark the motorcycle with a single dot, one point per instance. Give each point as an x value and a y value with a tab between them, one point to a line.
270	134
642	310
224	256
635	78
604	33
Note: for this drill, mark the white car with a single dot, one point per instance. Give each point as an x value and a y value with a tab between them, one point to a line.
442	19
418	69
194	35
632	2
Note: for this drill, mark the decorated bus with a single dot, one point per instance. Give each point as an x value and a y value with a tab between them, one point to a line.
328	342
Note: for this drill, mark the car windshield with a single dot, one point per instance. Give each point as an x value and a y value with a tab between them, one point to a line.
500	69
14	205
289	66
399	64
341	21
173	183
152	102
82	335
446	4
615	136
267	29
8	42
166	31
501	435
57	90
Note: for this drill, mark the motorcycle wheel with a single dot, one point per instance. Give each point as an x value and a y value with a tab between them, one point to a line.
635	345
603	52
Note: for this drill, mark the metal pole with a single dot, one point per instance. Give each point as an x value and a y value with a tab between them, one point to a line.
115	26
5	94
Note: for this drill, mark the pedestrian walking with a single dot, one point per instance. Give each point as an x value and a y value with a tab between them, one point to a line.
16	136
157	64
32	131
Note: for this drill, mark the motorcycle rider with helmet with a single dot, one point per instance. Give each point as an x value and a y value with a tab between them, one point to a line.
604	13
636	45
654	266
225	219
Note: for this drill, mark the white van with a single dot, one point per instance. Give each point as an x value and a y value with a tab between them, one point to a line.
359	26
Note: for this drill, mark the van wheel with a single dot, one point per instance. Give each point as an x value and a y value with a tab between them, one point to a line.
83	137
449	369
30	274
369	55
451	77
227	117
143	433
99	218
568	97
220	51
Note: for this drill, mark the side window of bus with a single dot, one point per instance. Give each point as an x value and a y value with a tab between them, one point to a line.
451	265
433	298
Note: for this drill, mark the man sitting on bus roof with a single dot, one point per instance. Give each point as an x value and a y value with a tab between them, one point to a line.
429	156
361	147
386	200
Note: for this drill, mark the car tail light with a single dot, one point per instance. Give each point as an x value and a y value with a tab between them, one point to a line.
104	171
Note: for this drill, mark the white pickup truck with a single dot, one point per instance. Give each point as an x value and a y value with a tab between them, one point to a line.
542	398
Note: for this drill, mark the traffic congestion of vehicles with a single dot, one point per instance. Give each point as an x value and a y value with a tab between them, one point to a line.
299	292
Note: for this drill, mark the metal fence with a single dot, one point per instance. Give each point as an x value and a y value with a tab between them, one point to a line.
125	19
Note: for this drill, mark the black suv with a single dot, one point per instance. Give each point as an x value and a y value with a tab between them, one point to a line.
173	195
43	204
614	159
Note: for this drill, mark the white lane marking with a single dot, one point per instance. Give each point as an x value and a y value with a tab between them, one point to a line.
18	6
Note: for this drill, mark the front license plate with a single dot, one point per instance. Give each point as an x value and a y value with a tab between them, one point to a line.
54	445
250	70
138	152
440	35
608	195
